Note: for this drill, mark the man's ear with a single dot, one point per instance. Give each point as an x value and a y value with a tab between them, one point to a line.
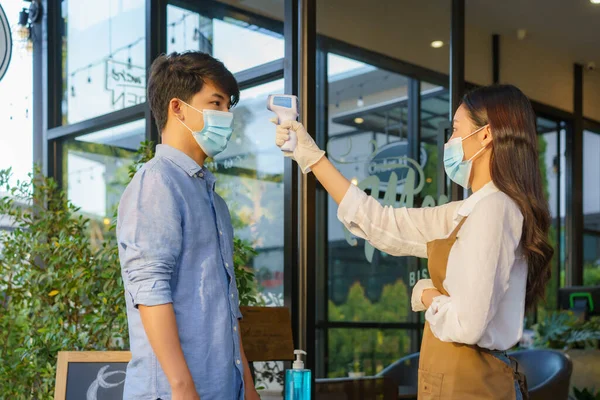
176	108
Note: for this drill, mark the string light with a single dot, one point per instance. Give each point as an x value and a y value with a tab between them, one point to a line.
140	40
129	57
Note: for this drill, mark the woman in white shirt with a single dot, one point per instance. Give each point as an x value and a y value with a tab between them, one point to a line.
489	256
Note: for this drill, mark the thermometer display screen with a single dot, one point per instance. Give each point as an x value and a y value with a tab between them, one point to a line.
282	101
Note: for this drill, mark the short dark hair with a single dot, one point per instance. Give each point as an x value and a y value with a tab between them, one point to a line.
182	75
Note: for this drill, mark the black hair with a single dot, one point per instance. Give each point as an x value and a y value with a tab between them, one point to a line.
182	75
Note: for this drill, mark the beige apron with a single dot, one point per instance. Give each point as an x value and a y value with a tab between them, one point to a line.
449	371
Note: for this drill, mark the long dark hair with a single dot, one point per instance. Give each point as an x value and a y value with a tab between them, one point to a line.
515	171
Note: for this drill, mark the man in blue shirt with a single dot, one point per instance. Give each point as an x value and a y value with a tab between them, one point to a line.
176	244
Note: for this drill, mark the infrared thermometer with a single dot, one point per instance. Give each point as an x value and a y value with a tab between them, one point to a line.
285	106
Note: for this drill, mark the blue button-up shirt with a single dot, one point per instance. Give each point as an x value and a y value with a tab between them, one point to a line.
176	246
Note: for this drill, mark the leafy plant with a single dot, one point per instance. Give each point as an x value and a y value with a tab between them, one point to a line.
586	394
563	330
373	349
59	291
59	288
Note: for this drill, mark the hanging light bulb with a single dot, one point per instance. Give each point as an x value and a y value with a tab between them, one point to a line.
360	102
129	57
89	79
72	91
22	32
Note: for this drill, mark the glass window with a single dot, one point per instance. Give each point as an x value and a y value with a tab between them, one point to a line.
551	141
369	142
591	180
104	53
16	139
96	170
364	351
591	259
591	208
239	45
250	179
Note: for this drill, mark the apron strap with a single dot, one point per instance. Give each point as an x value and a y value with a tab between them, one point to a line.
454	233
520	377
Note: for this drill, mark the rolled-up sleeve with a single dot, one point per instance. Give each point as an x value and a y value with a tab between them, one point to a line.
149	234
395	231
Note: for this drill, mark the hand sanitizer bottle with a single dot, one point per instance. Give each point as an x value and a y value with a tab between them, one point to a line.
297	380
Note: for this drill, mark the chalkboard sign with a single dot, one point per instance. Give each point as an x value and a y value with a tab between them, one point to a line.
91	375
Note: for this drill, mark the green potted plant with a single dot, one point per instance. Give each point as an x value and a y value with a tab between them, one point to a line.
585	394
578	339
356	369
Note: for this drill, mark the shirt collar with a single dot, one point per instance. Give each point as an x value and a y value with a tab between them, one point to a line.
180	159
186	163
467	206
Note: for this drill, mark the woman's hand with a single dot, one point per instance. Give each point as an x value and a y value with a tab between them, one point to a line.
306	153
428	296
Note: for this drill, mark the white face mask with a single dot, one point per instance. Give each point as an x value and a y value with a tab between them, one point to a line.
459	171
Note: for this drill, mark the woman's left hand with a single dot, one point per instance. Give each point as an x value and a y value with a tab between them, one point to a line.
428	296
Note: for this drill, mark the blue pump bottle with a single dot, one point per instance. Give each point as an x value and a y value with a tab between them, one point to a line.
297	380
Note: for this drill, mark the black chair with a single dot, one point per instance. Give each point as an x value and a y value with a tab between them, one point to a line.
404	373
548	373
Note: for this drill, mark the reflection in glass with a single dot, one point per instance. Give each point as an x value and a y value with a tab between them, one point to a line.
370	143
591	208
250	179
365	351
551	158
104	57
591	259
95	171
591	180
236	43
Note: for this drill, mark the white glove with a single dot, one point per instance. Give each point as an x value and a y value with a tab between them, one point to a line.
306	153
417	293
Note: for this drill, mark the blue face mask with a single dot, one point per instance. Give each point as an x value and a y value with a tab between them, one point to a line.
457	169
215	135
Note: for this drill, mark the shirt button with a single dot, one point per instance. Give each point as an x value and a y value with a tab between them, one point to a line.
201	175
232	296
235	328
227	265
221	233
238	362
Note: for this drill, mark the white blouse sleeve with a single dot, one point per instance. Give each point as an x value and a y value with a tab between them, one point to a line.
478	271
395	231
